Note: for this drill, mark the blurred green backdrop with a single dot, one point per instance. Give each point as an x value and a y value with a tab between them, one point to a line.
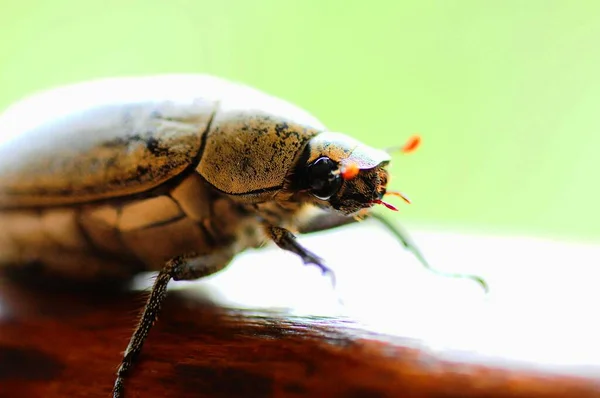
505	93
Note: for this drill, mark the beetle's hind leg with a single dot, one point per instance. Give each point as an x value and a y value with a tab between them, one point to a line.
287	241
179	268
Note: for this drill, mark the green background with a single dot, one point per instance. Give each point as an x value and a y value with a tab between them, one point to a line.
506	94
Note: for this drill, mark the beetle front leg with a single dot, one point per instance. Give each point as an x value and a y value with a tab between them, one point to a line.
179	268
329	221
407	242
287	241
325	222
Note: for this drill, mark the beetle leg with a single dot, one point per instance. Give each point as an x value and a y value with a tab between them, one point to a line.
407	242
287	241
179	268
327	221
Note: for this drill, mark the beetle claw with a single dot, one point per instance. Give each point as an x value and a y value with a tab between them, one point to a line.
328	272
310	258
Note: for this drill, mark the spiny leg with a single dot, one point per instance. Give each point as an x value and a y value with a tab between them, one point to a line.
327	221
403	237
324	222
179	268
287	241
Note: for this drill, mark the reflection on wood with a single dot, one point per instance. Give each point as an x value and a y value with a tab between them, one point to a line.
68	344
61	346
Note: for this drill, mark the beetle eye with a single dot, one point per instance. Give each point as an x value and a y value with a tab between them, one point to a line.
323	179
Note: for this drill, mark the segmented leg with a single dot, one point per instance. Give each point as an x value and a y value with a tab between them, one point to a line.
287	241
403	237
332	220
179	268
324	222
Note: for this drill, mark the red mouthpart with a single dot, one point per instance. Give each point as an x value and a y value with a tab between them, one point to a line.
381	202
400	195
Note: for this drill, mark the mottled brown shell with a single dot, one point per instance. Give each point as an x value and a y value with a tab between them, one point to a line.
117	137
252	154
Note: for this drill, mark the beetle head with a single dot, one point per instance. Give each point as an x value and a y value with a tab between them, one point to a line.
336	171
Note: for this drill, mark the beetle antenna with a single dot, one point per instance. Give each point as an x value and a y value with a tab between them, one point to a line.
409	146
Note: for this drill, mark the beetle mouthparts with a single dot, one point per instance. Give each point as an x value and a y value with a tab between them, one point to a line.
400	195
393	193
381	202
411	145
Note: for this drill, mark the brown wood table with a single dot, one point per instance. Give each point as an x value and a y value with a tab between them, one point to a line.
268	327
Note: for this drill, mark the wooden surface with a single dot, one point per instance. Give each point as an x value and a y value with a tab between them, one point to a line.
269	327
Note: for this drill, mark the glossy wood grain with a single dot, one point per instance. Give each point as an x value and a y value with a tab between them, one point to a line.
268	327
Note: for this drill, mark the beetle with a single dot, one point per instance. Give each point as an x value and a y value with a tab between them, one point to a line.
175	174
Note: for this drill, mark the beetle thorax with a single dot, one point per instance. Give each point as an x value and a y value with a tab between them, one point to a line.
282	211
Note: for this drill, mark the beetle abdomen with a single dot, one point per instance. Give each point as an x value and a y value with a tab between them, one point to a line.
121	238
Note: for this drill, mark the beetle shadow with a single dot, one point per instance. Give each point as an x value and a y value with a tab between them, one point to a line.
33	277
198	308
24	295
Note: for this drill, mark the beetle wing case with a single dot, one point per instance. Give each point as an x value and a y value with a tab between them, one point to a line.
120	136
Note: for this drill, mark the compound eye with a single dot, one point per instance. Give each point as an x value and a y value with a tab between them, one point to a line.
324	178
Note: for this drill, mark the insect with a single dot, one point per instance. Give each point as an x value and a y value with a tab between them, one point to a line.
175	174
